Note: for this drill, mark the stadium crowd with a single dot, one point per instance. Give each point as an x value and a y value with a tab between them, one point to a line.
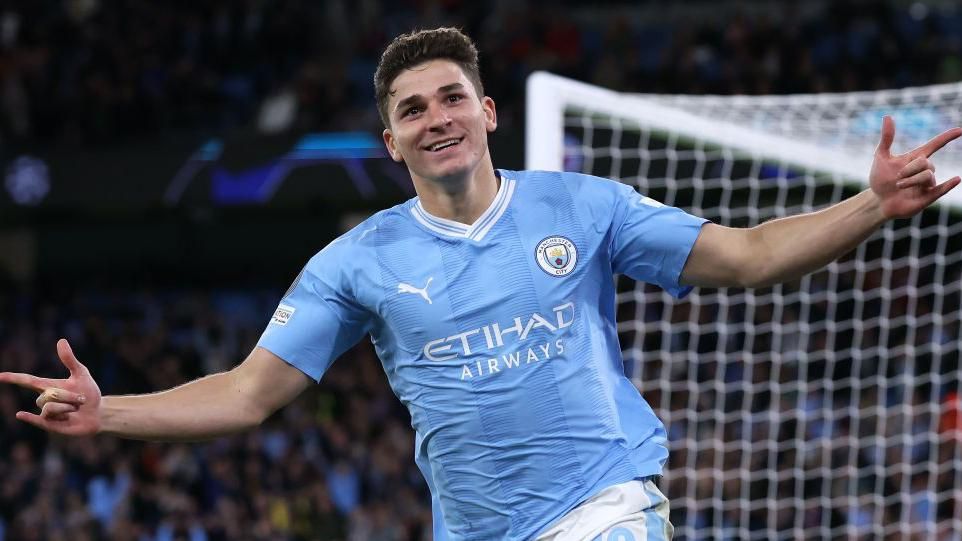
790	402
338	463
90	71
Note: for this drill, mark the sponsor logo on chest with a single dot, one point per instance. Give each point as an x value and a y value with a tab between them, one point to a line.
503	345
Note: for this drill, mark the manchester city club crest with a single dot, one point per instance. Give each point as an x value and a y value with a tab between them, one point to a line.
556	255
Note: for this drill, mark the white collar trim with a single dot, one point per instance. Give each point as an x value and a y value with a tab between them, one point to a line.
480	227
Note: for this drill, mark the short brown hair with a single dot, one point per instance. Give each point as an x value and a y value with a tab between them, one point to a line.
409	50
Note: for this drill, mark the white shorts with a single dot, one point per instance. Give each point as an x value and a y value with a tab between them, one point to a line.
632	511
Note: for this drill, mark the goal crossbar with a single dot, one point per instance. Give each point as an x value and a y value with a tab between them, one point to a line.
549	96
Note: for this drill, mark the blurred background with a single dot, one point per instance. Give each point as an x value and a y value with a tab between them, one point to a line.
167	168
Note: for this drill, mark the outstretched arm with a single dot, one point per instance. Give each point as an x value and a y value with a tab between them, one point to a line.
209	407
787	248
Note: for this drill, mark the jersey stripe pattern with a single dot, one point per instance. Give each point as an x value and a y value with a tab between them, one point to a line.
500	339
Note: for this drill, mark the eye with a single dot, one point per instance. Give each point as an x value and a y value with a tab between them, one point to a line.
412	111
455	98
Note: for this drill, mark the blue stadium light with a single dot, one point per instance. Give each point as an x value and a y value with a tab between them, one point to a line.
211	151
339	145
28	180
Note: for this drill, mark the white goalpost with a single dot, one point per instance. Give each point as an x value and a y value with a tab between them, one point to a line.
826	408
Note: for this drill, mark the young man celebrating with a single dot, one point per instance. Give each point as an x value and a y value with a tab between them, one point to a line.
490	303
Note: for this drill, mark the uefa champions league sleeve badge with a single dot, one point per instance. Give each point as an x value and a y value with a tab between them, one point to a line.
556	255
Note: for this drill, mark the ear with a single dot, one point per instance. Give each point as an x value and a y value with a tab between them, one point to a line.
490	114
391	145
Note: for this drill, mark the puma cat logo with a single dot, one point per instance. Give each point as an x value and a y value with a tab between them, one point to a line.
423	292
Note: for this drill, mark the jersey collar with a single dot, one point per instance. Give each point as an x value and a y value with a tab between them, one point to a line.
480	227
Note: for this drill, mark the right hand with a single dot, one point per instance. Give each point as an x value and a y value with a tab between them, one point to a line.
67	406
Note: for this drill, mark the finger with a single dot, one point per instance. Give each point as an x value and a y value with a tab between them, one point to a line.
943	189
924	178
56	410
54	394
937	142
65	352
27	381
35	420
888	135
919	164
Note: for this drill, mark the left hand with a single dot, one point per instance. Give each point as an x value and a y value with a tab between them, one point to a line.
905	183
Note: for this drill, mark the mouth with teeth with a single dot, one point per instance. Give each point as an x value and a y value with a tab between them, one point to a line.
441	145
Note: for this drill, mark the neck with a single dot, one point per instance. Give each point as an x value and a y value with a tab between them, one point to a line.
461	199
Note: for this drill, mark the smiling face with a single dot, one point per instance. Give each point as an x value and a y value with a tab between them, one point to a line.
438	124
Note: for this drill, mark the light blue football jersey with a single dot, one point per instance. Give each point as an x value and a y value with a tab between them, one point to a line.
500	340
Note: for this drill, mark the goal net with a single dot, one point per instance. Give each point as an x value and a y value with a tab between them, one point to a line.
823	408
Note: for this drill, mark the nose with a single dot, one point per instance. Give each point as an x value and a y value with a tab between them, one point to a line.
439	117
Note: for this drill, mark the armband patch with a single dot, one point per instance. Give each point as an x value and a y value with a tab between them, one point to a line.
283	314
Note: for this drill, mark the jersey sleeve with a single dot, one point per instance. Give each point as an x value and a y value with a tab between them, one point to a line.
651	241
319	317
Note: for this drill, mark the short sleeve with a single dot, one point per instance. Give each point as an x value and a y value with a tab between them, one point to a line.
650	241
318	319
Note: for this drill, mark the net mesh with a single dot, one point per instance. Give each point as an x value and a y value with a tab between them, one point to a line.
822	408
